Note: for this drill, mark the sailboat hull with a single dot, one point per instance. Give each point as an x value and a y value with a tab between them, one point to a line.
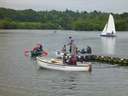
108	35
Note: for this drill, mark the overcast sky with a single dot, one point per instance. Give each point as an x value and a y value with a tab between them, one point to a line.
116	6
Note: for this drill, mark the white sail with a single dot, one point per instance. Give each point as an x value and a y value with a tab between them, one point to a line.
104	30
109	29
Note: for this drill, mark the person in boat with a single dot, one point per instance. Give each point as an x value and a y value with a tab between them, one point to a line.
89	50
64	58
37	50
83	51
112	32
81	59
73	59
59	55
64	49
40	47
70	42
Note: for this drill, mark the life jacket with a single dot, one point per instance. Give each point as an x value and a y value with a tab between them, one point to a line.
73	60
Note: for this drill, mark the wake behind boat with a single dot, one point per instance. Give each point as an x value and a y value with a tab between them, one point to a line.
109	29
56	64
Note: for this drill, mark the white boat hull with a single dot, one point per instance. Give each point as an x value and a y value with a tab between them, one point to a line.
48	64
110	35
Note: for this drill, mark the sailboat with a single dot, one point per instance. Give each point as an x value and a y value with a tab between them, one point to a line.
109	29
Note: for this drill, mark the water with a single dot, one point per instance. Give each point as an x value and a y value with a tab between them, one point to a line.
21	76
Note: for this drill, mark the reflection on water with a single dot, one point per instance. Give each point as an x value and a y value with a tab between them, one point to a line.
108	45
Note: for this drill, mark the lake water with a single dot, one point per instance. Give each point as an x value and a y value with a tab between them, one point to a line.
21	76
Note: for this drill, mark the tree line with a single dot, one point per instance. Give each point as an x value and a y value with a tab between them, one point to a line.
65	20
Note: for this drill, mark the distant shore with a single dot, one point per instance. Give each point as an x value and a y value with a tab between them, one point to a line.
59	20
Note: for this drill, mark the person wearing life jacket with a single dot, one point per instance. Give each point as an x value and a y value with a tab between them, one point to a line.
41	51
36	51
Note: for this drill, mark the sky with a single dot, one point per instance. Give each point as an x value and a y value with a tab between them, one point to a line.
115	6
